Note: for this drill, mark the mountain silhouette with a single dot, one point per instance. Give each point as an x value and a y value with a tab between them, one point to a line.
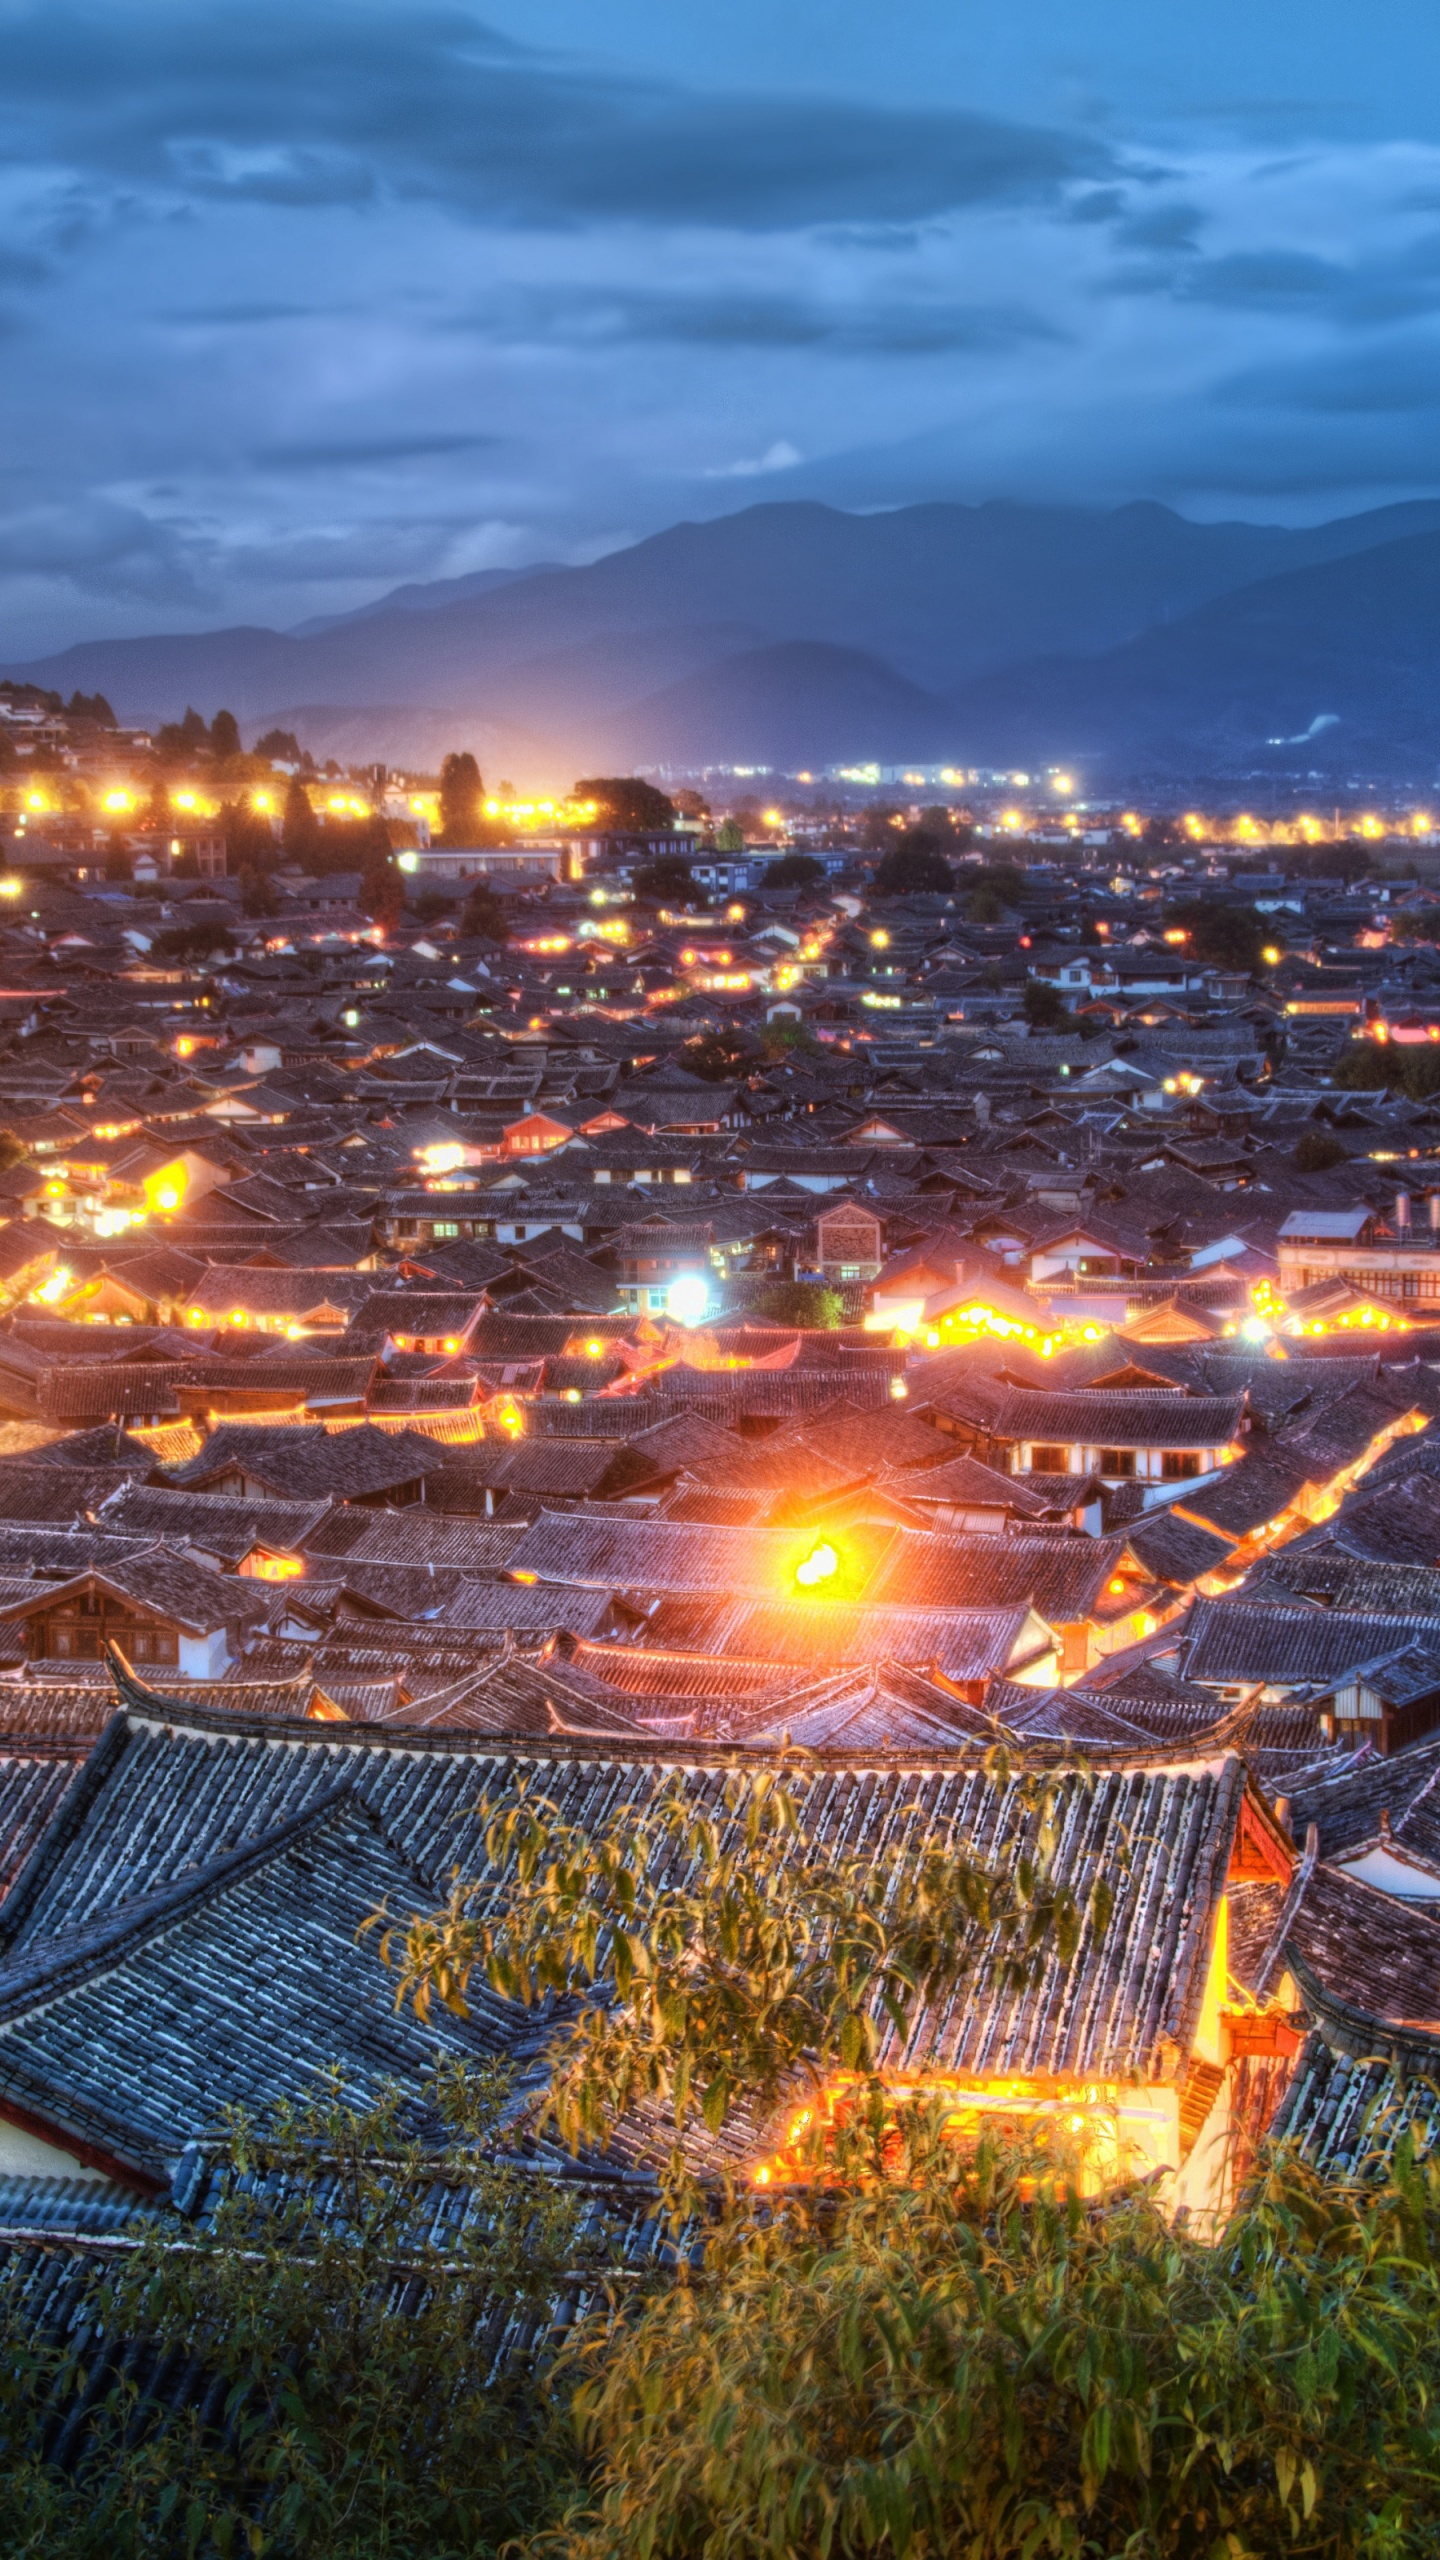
799	636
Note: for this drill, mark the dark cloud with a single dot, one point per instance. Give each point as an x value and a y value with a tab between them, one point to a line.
1265	280
325	104
364	454
1397	381
890	325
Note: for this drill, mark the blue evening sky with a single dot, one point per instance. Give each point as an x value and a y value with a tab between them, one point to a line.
303	298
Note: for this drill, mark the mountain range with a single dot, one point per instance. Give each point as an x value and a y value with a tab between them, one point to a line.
1130	643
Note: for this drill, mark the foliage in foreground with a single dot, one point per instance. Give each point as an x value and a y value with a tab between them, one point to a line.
712	1955
964	2359
350	2405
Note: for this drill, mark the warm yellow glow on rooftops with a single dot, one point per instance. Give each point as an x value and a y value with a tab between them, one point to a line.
118	802
1104	2128
165	1189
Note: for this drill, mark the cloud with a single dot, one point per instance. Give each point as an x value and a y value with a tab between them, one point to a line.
780	456
368	454
310	299
329	101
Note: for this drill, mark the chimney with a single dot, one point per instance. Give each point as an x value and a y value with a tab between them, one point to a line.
1435	1213
1402	1211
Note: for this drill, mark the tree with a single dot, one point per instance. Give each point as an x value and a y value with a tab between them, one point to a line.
1365	1066
249	844
181	741
718	1056
299	826
730	836
91	706
1223	935
1045	1007
947	2351
985	905
1317	1151
1420	1074
794	871
711	1955
281	746
462	795
914	867
193	941
670	880
806	1303
337	2312
1415	924
225	737
626	806
483	914
257	894
382	887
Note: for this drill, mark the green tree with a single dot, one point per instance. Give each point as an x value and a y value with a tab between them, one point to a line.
795	871
91	706
807	1303
915	866
193	941
1221	933
1416	924
946	2351
483	914
257	892
720	1055
1365	1066
344	2299
1045	1007
626	806
225	736
714	1955
1420	1073
669	880
181	741
730	837
281	746
382	887
300	831
462	795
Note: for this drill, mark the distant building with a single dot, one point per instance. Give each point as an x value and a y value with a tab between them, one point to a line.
503	866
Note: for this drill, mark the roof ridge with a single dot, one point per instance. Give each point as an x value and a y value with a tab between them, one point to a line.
78	1954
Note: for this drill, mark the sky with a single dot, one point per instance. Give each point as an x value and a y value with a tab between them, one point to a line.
303	299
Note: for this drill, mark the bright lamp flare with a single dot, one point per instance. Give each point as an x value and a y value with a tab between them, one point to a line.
688	1299
821	1565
